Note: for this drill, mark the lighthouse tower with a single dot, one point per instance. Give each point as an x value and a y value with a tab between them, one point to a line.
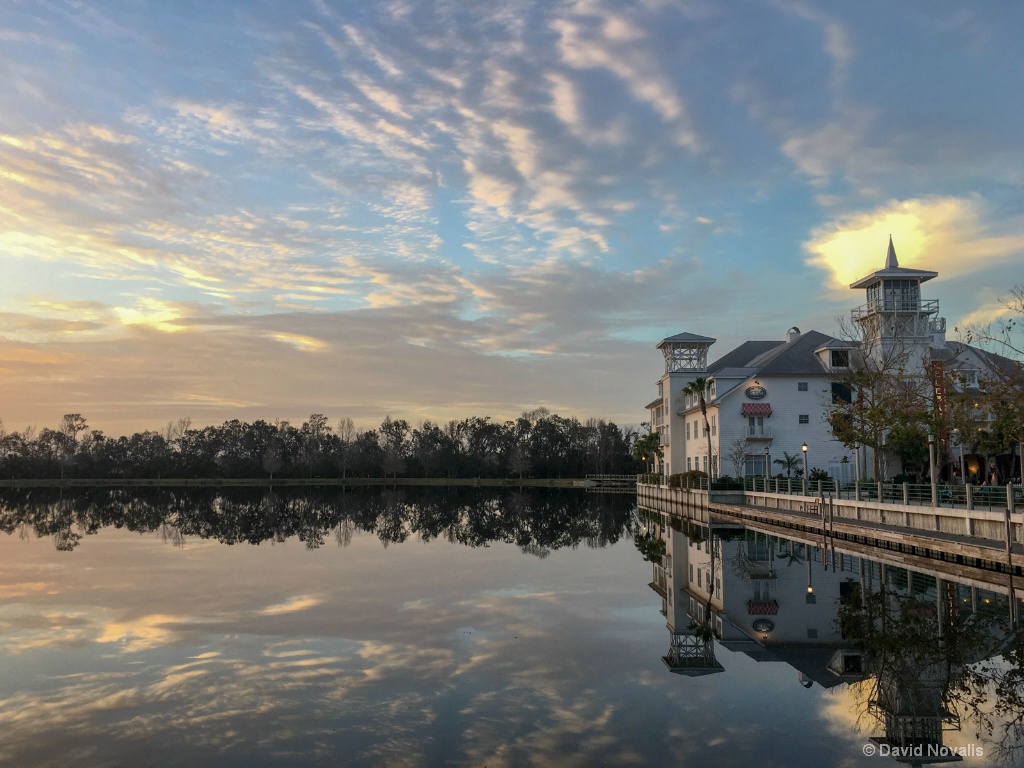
686	358
896	324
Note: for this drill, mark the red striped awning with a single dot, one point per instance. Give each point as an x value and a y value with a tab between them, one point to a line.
757	409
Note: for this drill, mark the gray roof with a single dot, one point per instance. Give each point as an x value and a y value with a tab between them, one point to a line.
742	355
734	373
997	364
794	357
838	344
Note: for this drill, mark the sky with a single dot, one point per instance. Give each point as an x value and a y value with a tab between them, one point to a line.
435	210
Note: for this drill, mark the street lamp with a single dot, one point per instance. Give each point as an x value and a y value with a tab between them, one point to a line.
931	468
960	445
767	467
856	464
804	449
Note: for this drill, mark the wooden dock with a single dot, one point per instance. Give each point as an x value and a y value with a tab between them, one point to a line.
887	533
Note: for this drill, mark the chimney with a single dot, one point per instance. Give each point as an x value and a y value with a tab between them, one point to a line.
792	334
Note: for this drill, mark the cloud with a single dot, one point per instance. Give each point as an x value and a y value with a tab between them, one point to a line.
950	235
598	37
143	633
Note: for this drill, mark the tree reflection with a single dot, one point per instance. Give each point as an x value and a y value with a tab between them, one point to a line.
537	522
936	665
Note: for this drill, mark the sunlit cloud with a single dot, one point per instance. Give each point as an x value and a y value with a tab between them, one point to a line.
292	605
152	313
143	633
949	235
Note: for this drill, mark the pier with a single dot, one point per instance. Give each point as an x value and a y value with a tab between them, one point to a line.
989	539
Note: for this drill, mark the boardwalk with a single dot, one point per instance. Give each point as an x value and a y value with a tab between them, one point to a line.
871	524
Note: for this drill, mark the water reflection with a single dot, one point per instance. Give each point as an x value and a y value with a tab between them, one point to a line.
535	521
467	627
928	657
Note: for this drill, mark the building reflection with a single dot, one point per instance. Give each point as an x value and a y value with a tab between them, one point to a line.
923	646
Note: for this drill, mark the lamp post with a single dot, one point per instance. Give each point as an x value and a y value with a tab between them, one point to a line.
804	449
767	467
960	445
931	468
856	464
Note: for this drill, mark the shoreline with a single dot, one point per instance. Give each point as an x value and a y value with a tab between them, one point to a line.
206	482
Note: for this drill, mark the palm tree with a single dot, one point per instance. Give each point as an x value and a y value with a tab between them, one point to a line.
699	387
789	462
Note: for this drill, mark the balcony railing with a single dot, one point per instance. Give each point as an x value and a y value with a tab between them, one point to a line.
920	306
759	433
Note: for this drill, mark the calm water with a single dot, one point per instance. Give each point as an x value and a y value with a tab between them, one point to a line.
401	628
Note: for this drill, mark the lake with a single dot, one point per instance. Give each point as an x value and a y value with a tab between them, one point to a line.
427	627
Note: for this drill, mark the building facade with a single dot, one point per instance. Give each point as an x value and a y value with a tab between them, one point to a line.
768	402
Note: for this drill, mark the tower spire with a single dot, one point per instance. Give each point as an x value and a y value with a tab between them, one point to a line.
890	257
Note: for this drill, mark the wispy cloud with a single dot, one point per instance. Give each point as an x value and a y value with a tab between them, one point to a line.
537	183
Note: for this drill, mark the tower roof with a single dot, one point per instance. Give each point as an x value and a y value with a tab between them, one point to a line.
685	338
890	256
893	271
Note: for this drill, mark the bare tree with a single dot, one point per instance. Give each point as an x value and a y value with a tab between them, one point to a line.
738	456
888	398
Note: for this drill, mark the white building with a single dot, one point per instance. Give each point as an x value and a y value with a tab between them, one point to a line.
768	399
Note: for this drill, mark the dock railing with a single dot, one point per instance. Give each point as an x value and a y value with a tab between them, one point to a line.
984	497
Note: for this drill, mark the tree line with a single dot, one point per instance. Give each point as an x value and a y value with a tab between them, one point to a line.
538	444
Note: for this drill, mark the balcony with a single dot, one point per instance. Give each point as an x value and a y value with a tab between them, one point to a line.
895	305
759	433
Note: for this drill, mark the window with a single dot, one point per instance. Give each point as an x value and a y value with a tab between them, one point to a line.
714	425
698	577
661	388
691	571
805	418
711	388
841	393
687	430
688	467
969	377
705	465
754	465
840	358
801	386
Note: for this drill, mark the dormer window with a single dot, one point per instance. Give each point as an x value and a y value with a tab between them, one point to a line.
969	378
839	358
